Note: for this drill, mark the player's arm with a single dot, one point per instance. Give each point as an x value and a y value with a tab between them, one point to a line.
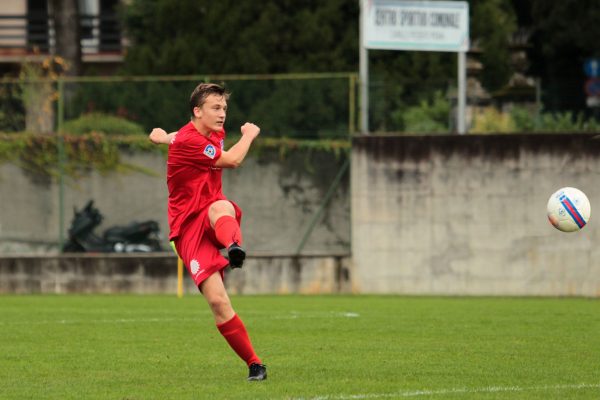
160	136
233	157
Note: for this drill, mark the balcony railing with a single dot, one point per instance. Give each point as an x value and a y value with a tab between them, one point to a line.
22	35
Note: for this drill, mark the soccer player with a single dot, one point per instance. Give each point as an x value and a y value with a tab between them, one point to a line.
201	219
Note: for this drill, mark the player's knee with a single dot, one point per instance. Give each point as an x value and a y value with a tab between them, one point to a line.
219	305
222	207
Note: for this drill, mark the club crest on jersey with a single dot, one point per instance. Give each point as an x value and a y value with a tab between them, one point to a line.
210	151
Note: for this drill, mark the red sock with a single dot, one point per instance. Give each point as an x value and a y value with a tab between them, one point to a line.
227	231
236	335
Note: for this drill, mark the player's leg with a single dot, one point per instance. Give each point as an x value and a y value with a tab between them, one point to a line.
230	325
222	216
214	292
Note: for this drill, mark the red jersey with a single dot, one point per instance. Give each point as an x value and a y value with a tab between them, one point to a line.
193	180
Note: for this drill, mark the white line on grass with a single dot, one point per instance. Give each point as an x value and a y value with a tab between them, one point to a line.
312	314
293	315
441	392
98	321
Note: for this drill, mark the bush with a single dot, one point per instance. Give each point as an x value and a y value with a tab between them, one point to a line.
492	121
102	123
428	117
567	121
526	121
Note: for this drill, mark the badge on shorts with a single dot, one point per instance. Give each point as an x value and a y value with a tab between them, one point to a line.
194	267
209	151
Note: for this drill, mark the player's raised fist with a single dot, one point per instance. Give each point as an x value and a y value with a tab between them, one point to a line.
249	129
157	136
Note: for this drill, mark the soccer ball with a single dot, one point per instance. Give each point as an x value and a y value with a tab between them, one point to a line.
568	209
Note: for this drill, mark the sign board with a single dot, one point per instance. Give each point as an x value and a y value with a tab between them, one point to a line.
592	87
416	25
592	102
592	67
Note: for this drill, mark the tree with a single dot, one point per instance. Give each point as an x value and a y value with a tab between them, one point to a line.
38	97
564	34
241	36
68	33
492	24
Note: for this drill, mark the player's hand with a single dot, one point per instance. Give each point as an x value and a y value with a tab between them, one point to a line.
158	136
250	130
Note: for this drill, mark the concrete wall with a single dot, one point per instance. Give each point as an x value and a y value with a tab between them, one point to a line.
157	273
448	215
467	215
278	194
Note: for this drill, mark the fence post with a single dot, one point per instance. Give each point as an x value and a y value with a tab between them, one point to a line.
352	105
61	162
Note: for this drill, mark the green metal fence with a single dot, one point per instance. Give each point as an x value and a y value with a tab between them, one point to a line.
291	105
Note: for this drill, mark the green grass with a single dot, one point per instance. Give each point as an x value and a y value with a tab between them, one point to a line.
327	347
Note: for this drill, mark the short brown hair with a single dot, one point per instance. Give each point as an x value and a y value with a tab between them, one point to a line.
202	91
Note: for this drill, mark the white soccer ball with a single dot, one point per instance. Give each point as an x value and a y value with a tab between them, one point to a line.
568	209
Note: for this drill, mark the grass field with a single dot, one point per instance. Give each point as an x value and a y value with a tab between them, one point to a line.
325	347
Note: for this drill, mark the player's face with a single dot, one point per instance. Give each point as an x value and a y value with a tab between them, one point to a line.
213	112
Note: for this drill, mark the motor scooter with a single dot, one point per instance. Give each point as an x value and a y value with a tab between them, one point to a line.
134	237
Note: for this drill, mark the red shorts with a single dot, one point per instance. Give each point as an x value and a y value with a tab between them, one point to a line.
199	248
